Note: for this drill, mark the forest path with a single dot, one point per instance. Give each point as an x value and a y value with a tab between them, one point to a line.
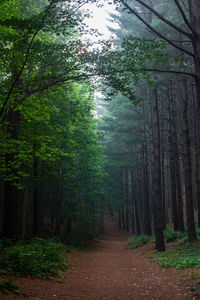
108	271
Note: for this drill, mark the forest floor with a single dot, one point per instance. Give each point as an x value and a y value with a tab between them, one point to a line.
109	271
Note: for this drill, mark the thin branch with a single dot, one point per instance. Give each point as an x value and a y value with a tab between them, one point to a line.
171	71
25	60
184	16
156	32
50	84
183	41
161	18
15	92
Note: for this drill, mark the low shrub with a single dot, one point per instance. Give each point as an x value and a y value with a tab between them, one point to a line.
182	241
171	235
135	242
183	257
9	285
37	257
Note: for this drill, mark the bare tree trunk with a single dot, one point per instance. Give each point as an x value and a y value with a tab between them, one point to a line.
136	206
178	186
119	218
146	204
36	200
188	170
12	220
126	186
123	202
172	165
158	203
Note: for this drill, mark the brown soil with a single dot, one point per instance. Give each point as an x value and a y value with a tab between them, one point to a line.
108	271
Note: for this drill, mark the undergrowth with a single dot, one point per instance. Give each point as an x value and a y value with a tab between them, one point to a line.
36	257
135	242
9	285
180	257
171	235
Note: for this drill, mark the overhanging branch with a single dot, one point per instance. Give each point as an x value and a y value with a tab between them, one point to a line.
157	32
25	60
161	18
171	71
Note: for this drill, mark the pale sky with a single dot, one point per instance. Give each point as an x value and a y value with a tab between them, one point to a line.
99	18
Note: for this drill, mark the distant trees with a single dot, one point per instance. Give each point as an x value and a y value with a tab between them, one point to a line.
170	142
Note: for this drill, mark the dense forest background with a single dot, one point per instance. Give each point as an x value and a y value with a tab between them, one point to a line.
65	158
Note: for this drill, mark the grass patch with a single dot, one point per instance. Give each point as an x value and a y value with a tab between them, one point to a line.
180	257
135	242
36	257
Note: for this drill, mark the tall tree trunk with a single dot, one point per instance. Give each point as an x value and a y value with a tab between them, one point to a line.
195	23
178	185
36	198
172	165
137	218
126	186
135	201
12	220
119	218
132	202
147	222
59	204
163	176
196	126
158	203
11	228
188	170
123	216
123	203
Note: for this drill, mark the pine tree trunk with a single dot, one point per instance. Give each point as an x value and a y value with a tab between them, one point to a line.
188	183
123	202
178	186
123	217
132	217
173	175
188	171
126	198
146	198
137	218
147	222
11	207
158	203
59	204
135	196
36	199
119	218
12	220
194	6
163	183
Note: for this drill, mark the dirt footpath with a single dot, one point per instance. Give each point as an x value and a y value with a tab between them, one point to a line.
108	271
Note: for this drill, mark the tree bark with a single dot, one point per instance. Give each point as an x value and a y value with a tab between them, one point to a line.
158	203
126	186
188	170
194	6
12	220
